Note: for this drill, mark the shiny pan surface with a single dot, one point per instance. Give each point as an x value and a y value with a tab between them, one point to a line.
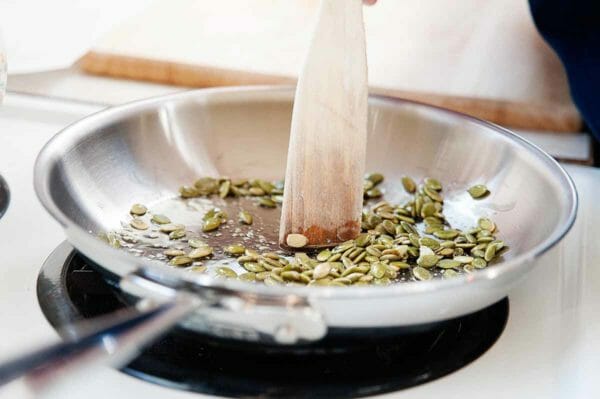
90	173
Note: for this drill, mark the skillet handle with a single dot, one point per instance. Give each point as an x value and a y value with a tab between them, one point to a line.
108	340
236	314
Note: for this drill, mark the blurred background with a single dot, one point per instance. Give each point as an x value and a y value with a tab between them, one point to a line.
482	58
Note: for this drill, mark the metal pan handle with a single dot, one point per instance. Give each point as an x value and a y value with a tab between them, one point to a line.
237	315
108	340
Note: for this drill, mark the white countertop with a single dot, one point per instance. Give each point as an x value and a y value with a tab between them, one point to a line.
550	348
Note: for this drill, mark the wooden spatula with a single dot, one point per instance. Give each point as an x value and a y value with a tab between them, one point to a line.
326	157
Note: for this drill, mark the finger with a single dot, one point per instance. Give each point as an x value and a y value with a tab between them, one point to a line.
370	2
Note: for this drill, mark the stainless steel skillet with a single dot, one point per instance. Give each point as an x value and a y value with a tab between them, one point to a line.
89	174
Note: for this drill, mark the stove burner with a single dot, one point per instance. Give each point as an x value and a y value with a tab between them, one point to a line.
69	289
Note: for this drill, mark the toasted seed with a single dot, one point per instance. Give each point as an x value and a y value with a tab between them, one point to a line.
446	234
375	178
490	253
262	275
245	217
254	267
469	268
409	184
463	259
169	228
296	240
389	226
428	210
290	275
174	252
196	243
200	252
479	263
188	192
429	242
378	269
177	234
400	265
374	193
323	255
226	272
322	270
256	191
433	184
235	249
478	191
206	186
431	193
211	224
198	269
224	188
181	261
427	260
249	276
448	264
138	224
486	224
421	273
138	210
267	203
450	273
160	219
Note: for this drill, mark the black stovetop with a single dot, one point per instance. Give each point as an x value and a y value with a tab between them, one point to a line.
70	290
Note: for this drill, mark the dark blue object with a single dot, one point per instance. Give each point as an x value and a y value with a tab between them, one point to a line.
572	28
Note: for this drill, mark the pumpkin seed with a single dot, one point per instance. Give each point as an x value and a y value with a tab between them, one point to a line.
211	224
206	186
375	178
409	184
486	224
196	243
138	210
267	203
160	219
235	249
168	228
188	192
378	269
245	217
478	191
253	267
323	255
249	276
450	273
463	259
224	189
479	263
200	252
421	273
448	264
296	240
138	224
174	252
374	193
433	184
431	193
181	261
490	253
446	234
177	234
227	272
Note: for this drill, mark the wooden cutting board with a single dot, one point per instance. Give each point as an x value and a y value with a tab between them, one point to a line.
484	58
